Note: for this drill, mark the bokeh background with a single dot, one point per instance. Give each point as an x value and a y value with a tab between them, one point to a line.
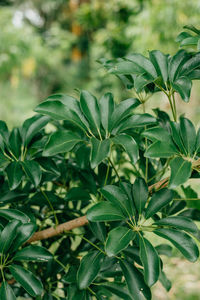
52	46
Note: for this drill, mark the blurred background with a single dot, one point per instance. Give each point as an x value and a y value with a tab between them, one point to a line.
51	46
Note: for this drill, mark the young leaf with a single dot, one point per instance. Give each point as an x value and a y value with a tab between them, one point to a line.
33	253
140	194
90	109
118	239
188	134
180	171
100	150
6	292
179	222
150	261
182	241
61	142
27	280
129	145
105	211
8	235
106	105
135	281
33	171
159	200
86	275
14	173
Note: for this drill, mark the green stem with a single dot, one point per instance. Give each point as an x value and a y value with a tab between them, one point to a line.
60	263
84	238
174	104
186	199
172	107
114	168
51	206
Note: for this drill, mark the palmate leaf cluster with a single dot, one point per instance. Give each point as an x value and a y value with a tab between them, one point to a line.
124	170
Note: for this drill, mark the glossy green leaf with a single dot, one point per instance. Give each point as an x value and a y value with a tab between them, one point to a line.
191	64
24	233
116	196
188	134
118	239
33	171
4	131
106	105
144	63
14	173
165	281
27	280
180	171
189	41
161	150
139	120
8	235
135	282
11	214
159	200
15	142
160	63
164	249
86	275
141	81
33	253
176	63
150	261
99	230
175	130
157	134
122	110
77	193
105	211
183	86
179	222
126	187
32	126
129	145
117	289
182	241
61	142
90	109
55	109
6	292
100	151
140	194
127	67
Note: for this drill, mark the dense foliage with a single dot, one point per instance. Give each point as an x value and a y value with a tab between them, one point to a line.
125	171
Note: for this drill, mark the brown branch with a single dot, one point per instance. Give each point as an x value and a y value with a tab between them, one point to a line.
79	222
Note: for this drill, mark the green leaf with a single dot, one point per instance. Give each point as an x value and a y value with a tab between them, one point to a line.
129	145
10	214
118	239
126	68
116	196
24	233
99	230
197	145
27	280
161	150
150	261
176	64
191	64
188	134
157	134
182	241
33	171
61	142
165	281
140	194
183	86
106	106
141	81
6	292
117	289
105	211
164	249
144	63
135	281
180	171
122	110
14	173
139	120
179	222
192	28
8	235
77	193
159	200
55	109
175	130
33	253
100	151
160	63
15	142
189	41
32	126
90	109
4	131
86	275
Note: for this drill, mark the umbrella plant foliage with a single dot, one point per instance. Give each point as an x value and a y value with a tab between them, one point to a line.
117	178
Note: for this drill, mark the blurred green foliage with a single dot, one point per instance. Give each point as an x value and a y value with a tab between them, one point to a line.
53	46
